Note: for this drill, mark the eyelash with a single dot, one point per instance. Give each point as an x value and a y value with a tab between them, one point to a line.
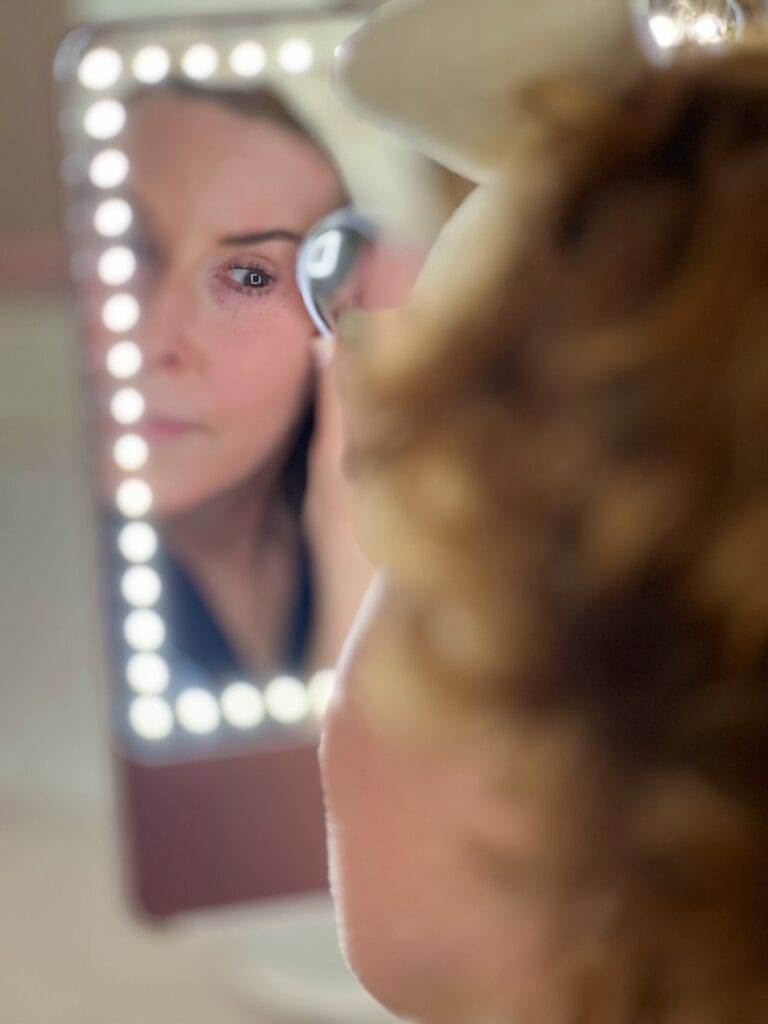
250	290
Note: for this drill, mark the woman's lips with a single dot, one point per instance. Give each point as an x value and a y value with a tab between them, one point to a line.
163	427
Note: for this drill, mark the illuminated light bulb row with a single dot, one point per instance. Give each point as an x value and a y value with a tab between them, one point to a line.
681	26
285	700
102	67
248	59
241	705
120	314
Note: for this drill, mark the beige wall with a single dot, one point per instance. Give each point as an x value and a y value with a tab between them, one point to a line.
29	35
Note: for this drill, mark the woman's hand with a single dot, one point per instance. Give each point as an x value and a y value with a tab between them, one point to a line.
342	574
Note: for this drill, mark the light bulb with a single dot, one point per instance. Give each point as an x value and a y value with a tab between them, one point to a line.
248	59
109	168
117	265
127	406
200	61
130	452
148	673
133	498
141	586
113	217
151	64
321	689
296	56
100	68
198	711
286	700
137	542
667	31
121	313
151	718
124	359
104	119
242	705
144	630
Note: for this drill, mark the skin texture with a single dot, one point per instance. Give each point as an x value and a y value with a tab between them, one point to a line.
235	364
420	926
233	367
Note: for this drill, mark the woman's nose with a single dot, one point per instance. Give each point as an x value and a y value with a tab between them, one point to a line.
163	328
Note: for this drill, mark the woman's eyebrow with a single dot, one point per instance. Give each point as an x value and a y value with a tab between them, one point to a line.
277	234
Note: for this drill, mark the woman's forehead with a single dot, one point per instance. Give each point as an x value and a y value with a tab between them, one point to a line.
196	165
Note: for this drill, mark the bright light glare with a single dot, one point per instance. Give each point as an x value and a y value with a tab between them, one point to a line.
104	119
100	68
151	64
248	59
120	313
147	673
117	265
321	688
151	717
124	359
242	705
130	452
137	542
134	498
144	630
296	56
198	711
708	29
141	586
323	257
286	700
113	217
127	406
667	31
109	168
200	61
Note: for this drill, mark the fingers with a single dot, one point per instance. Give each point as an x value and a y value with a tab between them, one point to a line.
323	351
328	436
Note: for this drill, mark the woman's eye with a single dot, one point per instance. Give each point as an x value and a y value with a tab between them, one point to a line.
250	278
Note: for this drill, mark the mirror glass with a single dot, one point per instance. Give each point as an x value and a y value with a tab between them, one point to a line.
200	157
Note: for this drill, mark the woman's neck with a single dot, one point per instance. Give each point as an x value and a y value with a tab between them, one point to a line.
233	529
239	549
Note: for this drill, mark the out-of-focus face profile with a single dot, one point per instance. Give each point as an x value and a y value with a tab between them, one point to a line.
222	202
545	763
419	921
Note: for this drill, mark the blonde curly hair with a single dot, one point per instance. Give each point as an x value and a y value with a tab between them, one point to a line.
568	483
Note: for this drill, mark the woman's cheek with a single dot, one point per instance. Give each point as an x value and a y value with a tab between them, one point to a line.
370	835
269	365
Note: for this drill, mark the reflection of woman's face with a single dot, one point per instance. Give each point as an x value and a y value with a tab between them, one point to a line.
221	202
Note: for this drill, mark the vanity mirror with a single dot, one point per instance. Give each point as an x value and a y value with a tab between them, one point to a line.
199	154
